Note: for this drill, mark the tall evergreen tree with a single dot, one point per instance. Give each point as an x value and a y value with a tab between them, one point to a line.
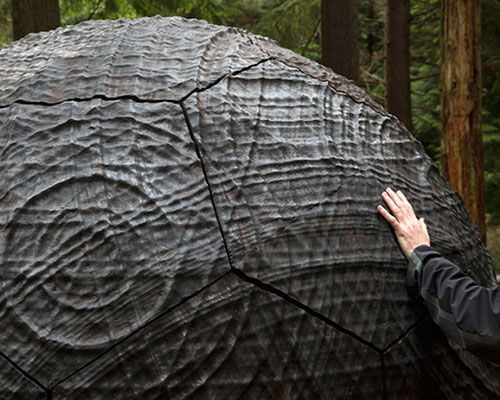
339	37
461	141
397	60
34	16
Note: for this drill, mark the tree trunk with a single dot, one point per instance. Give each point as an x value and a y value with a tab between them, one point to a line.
397	60
461	141
34	16
339	37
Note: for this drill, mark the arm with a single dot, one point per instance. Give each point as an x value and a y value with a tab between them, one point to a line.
467	313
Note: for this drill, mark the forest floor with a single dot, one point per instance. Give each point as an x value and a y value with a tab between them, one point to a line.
493	240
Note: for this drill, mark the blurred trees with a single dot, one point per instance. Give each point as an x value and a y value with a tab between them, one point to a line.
425	59
214	11
5	22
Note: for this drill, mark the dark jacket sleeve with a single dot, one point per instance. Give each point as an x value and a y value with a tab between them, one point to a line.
468	313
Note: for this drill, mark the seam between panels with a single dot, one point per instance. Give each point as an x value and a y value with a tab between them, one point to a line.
209	186
85	99
408	330
23	372
198	151
218	80
136	331
268	288
254	281
135	98
388	348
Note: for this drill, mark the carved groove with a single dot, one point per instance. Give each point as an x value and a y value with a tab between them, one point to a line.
23	372
284	296
132	334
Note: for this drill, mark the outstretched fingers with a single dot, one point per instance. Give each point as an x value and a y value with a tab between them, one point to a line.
395	197
392	200
402	197
406	206
410	231
389	218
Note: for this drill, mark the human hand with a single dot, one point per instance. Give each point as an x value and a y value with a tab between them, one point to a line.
410	231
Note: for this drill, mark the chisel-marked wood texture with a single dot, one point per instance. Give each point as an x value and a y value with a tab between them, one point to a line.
150	59
189	211
107	223
15	385
233	340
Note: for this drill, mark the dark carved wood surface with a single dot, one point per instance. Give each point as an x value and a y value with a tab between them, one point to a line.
233	340
15	385
150	59
107	223
189	211
295	179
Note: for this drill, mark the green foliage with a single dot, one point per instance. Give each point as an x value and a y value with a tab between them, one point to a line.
491	147
491	191
493	235
371	47
5	23
425	59
214	11
294	24
491	67
75	11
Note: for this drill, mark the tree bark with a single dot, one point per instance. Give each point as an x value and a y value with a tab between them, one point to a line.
34	16
339	37
461	141
397	60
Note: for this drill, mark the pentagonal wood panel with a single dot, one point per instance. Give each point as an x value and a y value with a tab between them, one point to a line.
297	169
107	223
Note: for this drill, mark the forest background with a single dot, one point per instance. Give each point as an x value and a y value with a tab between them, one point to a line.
296	24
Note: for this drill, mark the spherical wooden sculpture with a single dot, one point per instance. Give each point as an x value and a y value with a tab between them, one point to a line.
189	211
